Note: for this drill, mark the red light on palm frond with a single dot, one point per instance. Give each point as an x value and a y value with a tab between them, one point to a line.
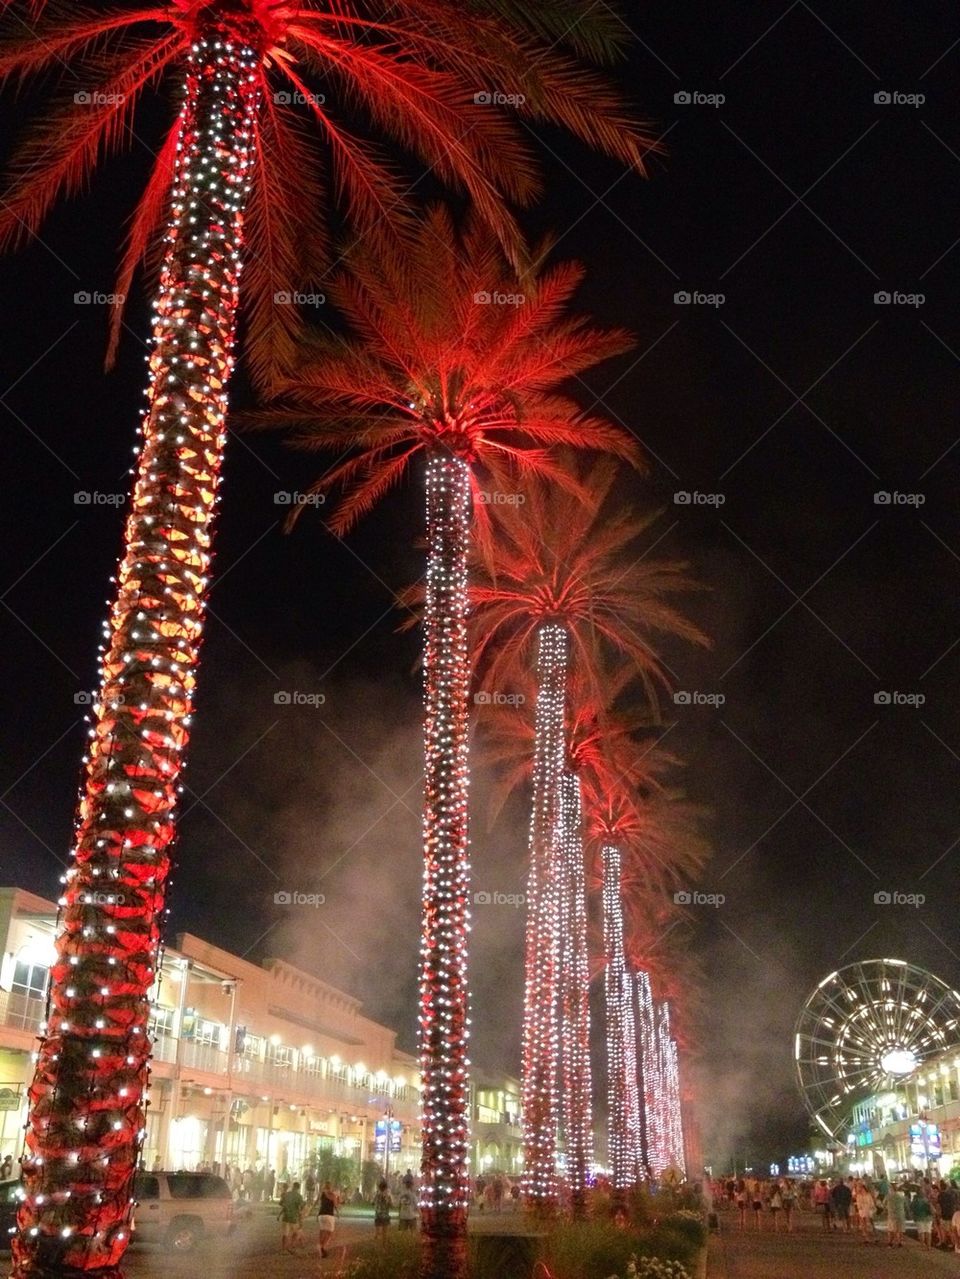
437	364
571	556
412	72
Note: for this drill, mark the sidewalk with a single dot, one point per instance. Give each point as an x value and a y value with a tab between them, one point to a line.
813	1253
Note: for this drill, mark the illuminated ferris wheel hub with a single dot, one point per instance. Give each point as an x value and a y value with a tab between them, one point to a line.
865	1027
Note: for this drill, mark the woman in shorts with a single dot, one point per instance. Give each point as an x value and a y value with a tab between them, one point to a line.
740	1198
866	1211
326	1216
756	1202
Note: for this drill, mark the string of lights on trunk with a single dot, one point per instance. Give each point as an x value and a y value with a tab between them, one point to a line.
444	998
540	1059
88	1097
574	997
623	1104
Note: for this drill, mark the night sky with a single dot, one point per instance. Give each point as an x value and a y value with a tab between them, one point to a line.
797	198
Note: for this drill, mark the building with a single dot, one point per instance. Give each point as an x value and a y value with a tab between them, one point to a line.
252	1063
913	1127
496	1125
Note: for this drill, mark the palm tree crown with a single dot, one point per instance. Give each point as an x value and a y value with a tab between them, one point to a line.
449	354
417	71
574	562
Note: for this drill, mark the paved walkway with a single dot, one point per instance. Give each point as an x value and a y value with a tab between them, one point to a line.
812	1253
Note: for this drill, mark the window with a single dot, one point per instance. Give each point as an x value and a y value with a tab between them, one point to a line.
953	1089
280	1054
30	980
161	1022
252	1045
188	1185
208	1032
146	1187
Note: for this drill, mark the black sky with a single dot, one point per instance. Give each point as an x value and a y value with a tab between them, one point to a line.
798	198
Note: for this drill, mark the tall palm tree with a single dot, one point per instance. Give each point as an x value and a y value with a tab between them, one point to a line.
599	753
649	843
236	180
564	576
441	367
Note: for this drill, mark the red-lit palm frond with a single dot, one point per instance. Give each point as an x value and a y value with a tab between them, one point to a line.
440	79
629	801
599	740
559	558
449	353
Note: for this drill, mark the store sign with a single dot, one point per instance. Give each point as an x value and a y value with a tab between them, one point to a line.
9	1098
925	1140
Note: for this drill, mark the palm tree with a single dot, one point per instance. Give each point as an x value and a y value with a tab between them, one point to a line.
600	752
564	575
649	843
236	180
442	367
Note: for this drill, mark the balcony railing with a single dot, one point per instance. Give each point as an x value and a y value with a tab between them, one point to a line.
24	1012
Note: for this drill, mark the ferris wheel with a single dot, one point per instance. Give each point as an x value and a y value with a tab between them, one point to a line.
863	1028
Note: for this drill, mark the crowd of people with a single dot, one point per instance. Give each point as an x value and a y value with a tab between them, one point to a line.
298	1203
874	1208
493	1190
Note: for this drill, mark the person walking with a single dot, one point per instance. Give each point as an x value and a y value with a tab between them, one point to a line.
821	1202
382	1203
327	1208
292	1204
740	1199
788	1194
756	1202
775	1203
896	1205
840	1198
866	1211
921	1210
406	1206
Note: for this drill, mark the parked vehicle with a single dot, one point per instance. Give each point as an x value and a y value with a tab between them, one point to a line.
181	1209
9	1201
176	1209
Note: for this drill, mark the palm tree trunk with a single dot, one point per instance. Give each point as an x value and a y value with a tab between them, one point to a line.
540	1032
446	880
623	1097
575	997
88	1106
653	1152
670	1089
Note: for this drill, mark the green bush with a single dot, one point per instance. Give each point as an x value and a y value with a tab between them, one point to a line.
593	1249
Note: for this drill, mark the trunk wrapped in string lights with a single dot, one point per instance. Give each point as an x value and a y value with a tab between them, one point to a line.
88	1096
444	1011
541	989
576	1075
623	1098
654	1151
669	1089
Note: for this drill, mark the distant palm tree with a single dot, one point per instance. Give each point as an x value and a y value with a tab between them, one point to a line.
443	365
649	844
236	181
564	576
